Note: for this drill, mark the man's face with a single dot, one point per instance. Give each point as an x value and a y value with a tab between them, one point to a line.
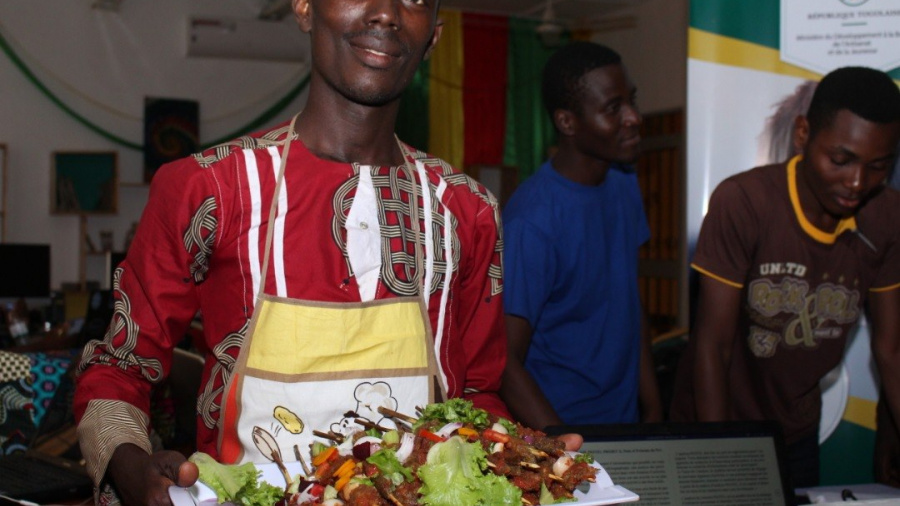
608	125
846	162
368	50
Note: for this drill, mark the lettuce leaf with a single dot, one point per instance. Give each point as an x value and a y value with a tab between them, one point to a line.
547	498
454	410
238	484
387	463
454	474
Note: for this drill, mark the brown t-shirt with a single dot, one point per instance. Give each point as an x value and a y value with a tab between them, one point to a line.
802	290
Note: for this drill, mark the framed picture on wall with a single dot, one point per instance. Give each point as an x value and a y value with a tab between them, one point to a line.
171	131
84	182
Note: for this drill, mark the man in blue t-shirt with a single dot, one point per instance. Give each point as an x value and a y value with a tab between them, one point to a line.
577	349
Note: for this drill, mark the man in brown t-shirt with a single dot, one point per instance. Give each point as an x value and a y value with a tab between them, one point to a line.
788	257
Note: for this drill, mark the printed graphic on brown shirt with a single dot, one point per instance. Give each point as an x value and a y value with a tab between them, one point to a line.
807	318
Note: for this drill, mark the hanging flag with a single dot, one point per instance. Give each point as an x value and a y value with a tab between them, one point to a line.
485	49
445	103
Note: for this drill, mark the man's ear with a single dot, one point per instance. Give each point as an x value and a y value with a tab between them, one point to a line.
438	29
301	14
801	134
565	121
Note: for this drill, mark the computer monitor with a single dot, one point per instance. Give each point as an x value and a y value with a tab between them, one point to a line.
24	270
693	463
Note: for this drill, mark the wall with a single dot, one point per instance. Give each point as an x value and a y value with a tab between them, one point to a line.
654	51
103	64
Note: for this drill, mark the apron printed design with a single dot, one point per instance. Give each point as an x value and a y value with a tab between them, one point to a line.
368	398
288	419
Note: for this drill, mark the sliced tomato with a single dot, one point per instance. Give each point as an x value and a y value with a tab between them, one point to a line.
431	436
497	437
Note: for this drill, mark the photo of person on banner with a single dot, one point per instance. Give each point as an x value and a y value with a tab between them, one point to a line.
790	255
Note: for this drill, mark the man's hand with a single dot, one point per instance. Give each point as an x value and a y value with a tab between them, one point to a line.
573	441
718	311
884	318
519	390
144	480
887	460
887	446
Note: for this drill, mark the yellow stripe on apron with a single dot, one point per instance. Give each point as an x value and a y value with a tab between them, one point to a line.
310	365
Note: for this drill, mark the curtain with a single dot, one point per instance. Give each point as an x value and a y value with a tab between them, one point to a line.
485	44
412	119
529	131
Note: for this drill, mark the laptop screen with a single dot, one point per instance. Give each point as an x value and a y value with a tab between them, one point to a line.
668	464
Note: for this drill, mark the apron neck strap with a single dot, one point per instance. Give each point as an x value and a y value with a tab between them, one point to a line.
270	227
413	210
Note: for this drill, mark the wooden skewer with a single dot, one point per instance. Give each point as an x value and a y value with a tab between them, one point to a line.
394	500
300	458
538	453
554	477
526	502
393	414
337	438
276	457
370	425
530	465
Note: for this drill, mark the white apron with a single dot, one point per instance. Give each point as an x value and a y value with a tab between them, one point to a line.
310	365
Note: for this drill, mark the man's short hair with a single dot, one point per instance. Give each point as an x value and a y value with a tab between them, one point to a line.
868	93
563	85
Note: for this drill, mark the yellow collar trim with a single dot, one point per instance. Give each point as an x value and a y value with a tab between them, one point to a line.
847	224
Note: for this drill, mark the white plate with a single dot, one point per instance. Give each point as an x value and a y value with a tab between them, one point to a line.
599	493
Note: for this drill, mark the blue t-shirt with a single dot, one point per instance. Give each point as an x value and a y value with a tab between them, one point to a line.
570	269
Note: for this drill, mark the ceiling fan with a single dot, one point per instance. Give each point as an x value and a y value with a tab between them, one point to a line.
552	26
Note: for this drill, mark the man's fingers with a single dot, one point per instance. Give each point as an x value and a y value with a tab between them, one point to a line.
573	441
187	474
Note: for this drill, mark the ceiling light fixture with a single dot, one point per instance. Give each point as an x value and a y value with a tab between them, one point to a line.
550	30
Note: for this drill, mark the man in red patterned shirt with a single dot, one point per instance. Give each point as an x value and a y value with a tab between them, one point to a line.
315	235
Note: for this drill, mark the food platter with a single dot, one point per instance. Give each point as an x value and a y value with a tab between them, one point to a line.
453	453
598	494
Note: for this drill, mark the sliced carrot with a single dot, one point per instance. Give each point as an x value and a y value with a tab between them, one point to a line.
343	480
348	467
324	456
